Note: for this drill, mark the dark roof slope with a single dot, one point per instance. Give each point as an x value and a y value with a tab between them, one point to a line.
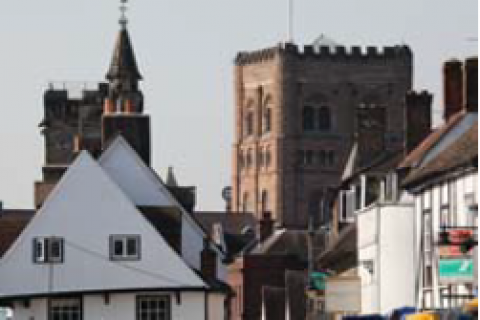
461	153
290	243
414	157
231	222
12	223
123	64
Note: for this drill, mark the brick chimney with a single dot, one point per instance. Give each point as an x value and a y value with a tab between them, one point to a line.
471	84
418	118
370	132
208	263
453	88
266	226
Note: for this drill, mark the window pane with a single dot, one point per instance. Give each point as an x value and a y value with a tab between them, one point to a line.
118	247
324	119
132	247
308	118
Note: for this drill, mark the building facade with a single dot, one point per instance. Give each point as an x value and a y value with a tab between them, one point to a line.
295	121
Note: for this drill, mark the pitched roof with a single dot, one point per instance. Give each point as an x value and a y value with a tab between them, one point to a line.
341	254
416	156
289	243
232	222
12	223
123	64
463	152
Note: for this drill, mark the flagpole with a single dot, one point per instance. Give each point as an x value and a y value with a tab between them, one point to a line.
290	20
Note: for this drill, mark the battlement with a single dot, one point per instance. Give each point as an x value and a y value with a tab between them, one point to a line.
328	53
80	91
418	98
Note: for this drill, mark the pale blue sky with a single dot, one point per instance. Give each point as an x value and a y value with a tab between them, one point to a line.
185	51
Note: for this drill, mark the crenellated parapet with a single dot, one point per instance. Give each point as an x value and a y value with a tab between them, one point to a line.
328	53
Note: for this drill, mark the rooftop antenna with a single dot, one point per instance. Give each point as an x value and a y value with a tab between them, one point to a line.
290	20
123	18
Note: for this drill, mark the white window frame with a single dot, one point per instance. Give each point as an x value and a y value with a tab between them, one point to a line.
43	250
125	256
65	308
157	312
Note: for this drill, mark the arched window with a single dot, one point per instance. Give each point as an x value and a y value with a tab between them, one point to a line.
265	207
246	202
241	160
268	157
249	123
324	119
261	158
249	159
308	118
267	120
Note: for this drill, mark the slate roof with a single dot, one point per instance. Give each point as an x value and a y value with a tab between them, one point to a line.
123	64
461	153
234	225
340	255
232	222
289	243
12	223
416	156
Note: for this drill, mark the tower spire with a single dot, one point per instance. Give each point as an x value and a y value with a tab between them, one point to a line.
123	74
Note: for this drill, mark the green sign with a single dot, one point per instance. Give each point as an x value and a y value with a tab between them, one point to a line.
455	270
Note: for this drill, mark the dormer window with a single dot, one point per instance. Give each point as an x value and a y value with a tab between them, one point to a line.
125	247
48	250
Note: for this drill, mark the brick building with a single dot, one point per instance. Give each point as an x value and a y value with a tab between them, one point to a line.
295	120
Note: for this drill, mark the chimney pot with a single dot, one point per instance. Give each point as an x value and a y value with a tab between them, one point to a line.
453	88
208	263
266	226
471	84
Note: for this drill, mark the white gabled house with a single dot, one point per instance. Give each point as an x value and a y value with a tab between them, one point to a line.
93	252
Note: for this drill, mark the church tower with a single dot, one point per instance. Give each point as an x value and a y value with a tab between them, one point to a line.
78	117
295	114
123	108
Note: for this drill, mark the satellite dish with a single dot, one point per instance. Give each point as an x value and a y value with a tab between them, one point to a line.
227	194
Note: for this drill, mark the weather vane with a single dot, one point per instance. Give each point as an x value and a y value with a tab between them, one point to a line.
123	10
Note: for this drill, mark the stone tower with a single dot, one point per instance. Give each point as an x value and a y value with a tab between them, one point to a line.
77	118
295	118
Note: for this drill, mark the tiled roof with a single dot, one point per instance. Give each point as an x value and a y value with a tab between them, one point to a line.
289	243
232	222
414	157
341	254
463	152
12	223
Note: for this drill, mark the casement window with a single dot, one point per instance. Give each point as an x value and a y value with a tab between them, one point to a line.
48	250
125	247
65	309
324	121
308	118
154	307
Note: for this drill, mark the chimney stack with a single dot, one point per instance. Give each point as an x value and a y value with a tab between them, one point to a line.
370	131
453	88
471	84
418	118
266	226
208	263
